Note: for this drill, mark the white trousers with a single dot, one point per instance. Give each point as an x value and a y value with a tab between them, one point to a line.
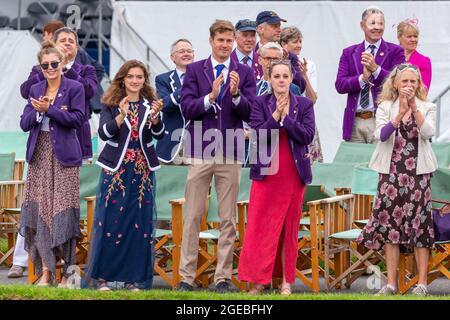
20	255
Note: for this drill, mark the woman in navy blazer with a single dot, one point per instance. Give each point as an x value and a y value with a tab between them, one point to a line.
284	125
122	236
50	215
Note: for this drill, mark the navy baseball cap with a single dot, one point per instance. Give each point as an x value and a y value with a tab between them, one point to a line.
245	25
269	17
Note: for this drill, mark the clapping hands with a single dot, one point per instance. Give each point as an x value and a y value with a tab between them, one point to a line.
42	104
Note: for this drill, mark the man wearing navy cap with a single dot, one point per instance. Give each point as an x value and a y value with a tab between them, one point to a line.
268	26
245	52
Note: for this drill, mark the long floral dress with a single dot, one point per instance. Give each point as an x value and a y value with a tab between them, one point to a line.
122	248
402	210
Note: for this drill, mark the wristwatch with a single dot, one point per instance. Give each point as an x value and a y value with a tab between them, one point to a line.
415	111
237	94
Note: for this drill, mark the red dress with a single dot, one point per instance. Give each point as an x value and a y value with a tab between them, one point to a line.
274	215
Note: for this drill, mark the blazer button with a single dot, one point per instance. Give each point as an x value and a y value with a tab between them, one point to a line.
51	128
216	117
295	111
54	141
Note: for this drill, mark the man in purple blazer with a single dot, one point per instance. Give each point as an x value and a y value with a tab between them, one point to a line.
67	40
362	70
245	51
216	96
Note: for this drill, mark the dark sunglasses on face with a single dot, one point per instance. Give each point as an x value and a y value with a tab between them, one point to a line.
53	64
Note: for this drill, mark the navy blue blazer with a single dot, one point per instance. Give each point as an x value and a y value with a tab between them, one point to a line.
117	139
299	125
168	87
66	115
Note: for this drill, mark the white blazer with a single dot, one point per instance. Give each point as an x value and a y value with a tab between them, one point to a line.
381	157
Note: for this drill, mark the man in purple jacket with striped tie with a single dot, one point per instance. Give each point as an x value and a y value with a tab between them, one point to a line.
362	70
216	96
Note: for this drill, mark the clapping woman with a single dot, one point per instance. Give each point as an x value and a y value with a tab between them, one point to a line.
286	122
403	157
122	236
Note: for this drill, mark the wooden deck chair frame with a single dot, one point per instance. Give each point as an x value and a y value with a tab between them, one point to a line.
439	263
338	237
11	198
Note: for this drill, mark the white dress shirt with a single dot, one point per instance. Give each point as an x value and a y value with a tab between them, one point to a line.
375	75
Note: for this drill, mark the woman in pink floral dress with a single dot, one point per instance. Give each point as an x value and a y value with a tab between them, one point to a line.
122	236
402	211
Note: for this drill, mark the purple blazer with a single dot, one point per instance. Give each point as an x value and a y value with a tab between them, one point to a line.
197	84
257	68
85	74
299	125
388	56
66	116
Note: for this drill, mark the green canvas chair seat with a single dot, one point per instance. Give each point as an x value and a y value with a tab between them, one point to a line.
304	234
352	234
354	153
210	234
7	166
162	232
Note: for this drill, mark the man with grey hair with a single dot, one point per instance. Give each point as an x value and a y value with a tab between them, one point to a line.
168	86
362	70
267	53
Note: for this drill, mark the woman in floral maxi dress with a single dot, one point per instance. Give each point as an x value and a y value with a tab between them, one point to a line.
122	245
401	217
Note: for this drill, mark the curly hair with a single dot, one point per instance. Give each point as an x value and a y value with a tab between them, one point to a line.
389	93
116	91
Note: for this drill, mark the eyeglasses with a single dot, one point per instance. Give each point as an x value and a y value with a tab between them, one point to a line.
183	51
53	64
270	58
404	66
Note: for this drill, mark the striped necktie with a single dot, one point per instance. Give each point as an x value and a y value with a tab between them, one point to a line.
365	92
262	88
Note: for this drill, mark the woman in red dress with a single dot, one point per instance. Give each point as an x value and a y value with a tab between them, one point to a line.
284	126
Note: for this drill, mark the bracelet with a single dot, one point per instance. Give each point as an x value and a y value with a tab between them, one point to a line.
237	94
415	111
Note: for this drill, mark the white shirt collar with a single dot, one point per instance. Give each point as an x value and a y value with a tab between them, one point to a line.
241	56
376	44
226	63
70	64
179	72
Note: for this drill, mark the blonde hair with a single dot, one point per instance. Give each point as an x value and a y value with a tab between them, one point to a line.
49	47
406	26
388	91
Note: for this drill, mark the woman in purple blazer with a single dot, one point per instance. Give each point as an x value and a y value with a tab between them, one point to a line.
50	215
123	232
408	38
284	125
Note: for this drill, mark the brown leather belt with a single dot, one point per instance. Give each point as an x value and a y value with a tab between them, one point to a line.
365	114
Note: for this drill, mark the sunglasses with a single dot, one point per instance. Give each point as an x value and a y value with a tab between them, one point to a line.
53	64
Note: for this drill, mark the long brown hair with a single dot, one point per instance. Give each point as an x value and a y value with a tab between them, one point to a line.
389	93
116	90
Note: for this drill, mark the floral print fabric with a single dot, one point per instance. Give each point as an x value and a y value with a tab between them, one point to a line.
402	209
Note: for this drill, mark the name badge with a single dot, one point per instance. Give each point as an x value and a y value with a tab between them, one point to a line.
64	107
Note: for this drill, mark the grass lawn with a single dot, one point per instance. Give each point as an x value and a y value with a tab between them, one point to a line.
26	292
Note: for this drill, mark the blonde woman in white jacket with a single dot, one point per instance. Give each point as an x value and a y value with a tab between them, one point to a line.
401	216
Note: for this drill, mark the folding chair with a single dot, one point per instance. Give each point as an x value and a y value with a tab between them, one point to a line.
337	213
